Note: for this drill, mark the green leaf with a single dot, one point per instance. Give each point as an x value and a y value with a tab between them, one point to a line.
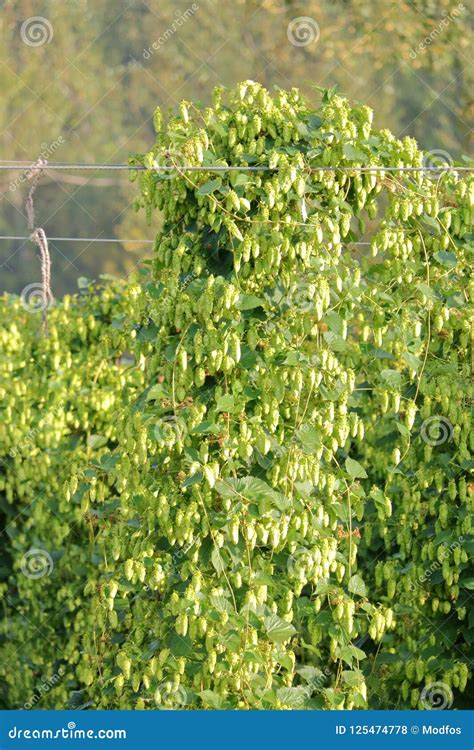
334	322
446	259
352	678
455	300
467	583
323	586
108	461
354	469
357	586
357	653
336	342
218	127
212	699
241	179
231	640
249	302
346	654
194	479
431	223
220	603
209	187
179	645
351	652
426	290
402	429
292	696
312	675
309	647
335	700
309	437
252	489
278	630
226	403
156	392
217	561
96	441
412	361
379	498
354	154
392	377
285	661
206	428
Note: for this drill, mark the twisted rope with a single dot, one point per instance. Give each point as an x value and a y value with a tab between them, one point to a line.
38	236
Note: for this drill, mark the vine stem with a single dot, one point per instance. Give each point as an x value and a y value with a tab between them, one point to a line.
217	547
428	338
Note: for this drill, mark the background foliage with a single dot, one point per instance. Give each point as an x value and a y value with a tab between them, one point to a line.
93	87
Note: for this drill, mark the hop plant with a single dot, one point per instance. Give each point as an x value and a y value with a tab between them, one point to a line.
256	308
296	410
60	395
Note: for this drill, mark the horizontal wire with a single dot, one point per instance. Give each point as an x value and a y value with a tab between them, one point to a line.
140	167
81	239
18	164
113	239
